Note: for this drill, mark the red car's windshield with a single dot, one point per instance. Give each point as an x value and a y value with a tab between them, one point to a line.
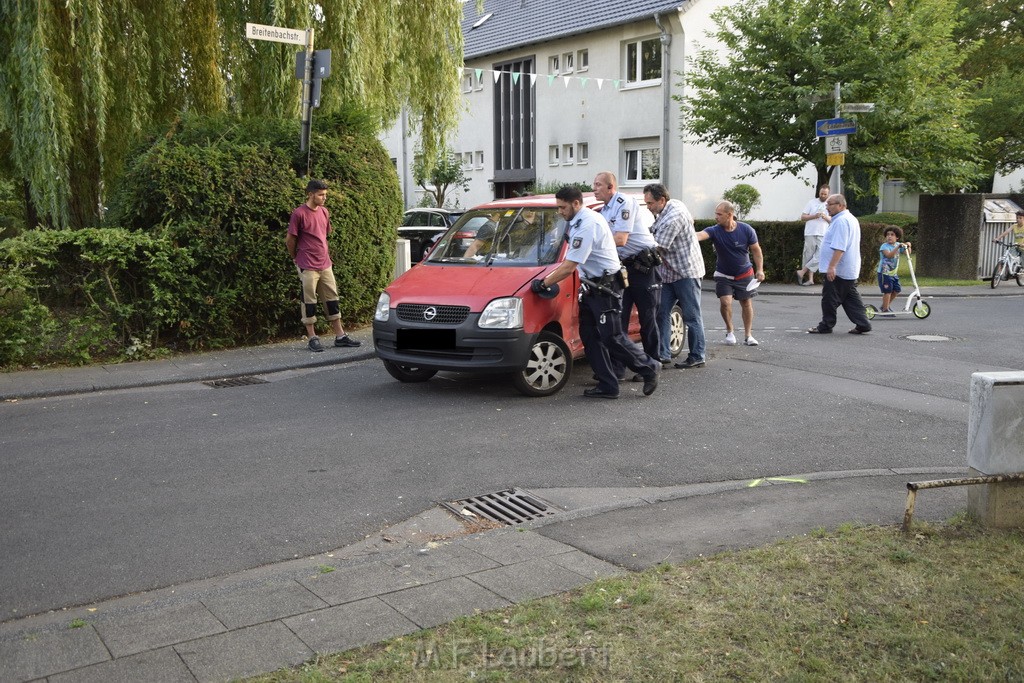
505	237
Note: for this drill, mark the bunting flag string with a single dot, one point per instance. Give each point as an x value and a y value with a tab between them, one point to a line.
566	80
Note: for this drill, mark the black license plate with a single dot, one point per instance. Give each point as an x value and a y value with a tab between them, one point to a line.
430	340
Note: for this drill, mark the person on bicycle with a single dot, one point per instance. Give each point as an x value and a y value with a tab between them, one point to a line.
1018	233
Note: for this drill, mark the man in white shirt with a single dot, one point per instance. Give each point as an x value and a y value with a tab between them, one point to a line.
816	221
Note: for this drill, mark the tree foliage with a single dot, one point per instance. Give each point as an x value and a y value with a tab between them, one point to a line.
759	97
998	68
439	176
82	79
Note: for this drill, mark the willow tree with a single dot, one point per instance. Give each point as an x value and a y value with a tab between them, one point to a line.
81	79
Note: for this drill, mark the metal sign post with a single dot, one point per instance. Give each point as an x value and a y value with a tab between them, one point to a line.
295	36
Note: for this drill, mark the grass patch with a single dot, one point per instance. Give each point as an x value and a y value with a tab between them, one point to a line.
908	285
855	604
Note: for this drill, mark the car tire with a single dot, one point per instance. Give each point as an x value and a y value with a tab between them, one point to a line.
548	367
408	373
677	336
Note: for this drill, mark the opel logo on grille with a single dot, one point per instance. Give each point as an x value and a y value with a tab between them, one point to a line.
429	313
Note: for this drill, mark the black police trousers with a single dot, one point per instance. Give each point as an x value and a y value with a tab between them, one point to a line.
604	341
647	299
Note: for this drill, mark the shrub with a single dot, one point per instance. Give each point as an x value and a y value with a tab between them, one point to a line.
193	252
745	197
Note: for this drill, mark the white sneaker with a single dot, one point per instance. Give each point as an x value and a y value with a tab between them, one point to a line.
750	341
730	339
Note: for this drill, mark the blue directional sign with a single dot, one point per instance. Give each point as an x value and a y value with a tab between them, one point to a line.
824	128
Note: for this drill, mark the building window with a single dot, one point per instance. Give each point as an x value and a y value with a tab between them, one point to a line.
567	62
567	155
553	65
582	152
643	61
466	160
582	60
480	158
641	160
553	155
467	82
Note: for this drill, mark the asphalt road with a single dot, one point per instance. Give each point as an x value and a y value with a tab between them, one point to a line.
118	492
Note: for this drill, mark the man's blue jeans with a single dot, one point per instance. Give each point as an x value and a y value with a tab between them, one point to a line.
687	293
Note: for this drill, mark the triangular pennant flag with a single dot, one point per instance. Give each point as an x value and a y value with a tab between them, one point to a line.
551	79
615	83
600	82
515	78
583	82
566	79
533	80
479	74
497	76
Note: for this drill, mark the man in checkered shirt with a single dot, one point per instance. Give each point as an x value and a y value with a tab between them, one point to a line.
681	271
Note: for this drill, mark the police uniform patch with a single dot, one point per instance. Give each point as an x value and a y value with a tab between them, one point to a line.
625	215
620	200
576	242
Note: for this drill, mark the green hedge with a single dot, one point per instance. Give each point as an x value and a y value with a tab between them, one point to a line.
193	255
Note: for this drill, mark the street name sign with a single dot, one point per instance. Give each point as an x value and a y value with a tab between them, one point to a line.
857	107
276	34
827	127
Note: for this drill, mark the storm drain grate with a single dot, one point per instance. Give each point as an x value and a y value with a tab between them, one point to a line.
505	507
235	382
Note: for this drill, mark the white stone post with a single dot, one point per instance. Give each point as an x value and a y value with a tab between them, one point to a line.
403	256
995	445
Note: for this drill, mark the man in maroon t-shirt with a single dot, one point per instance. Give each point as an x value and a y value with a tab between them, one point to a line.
307	245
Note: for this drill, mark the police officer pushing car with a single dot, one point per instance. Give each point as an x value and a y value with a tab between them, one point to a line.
592	252
638	253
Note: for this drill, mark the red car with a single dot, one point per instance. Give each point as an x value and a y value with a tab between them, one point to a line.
468	306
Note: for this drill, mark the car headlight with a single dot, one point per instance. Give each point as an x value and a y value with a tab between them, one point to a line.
383	308
503	314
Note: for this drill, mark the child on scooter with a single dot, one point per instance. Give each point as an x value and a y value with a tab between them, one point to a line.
888	265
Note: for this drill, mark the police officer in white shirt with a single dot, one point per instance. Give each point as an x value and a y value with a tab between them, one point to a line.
592	252
636	247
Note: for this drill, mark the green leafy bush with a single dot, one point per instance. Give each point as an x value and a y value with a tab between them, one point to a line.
745	197
193	254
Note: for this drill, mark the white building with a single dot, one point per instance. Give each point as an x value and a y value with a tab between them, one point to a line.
555	92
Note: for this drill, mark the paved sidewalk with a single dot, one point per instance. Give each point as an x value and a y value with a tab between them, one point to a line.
424	572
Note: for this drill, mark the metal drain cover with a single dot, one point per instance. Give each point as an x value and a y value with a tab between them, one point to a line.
927	338
235	382
513	506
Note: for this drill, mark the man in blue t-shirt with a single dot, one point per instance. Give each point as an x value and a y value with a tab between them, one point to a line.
735	245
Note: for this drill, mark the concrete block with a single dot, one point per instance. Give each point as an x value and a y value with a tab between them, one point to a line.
403	256
34	655
995	429
995	445
147	630
441	602
157	666
242	653
528	580
437	564
512	546
255	604
353	624
997	505
348	584
586	565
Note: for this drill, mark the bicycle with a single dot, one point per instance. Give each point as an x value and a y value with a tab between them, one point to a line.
1009	265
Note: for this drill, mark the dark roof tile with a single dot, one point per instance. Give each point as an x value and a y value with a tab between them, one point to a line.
518	23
